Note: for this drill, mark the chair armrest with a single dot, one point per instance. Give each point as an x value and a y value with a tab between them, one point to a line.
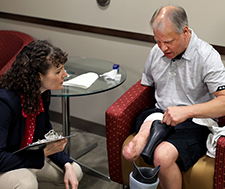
219	173
120	117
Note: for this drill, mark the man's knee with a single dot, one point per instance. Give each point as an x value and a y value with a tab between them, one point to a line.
165	154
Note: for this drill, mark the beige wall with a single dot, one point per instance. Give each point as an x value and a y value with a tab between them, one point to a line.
130	54
206	17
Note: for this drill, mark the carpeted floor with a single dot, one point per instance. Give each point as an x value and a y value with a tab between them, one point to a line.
96	159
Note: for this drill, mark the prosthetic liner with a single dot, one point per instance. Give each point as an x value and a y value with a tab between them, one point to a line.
144	177
158	132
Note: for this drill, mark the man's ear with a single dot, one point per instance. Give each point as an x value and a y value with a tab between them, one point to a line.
185	31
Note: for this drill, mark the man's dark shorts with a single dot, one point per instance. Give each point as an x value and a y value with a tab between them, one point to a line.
188	137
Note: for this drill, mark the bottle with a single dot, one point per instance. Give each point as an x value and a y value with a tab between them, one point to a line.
116	66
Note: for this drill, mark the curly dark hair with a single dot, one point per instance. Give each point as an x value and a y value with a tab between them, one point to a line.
24	75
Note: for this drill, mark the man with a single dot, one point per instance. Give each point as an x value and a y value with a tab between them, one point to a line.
189	78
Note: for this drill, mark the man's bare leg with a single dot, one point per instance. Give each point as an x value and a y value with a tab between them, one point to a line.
169	175
133	149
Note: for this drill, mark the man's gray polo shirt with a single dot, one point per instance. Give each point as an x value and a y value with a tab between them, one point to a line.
190	80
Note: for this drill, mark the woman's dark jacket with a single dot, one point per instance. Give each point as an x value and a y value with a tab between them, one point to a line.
12	125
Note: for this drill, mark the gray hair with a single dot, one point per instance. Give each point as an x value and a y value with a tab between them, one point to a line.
177	16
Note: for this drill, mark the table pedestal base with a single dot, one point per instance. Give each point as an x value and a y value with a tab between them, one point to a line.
84	151
92	171
66	132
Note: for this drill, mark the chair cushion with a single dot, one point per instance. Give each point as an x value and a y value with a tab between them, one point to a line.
200	175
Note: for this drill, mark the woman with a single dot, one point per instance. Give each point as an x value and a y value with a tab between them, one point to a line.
24	104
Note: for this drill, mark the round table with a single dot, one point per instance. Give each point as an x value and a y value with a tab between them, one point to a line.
76	66
79	65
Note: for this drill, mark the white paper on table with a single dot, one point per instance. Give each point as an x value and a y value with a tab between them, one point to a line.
112	75
83	81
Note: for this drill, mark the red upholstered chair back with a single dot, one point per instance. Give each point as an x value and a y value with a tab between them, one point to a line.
9	46
11	43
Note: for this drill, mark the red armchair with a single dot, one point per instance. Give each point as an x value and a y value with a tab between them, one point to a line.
120	117
11	43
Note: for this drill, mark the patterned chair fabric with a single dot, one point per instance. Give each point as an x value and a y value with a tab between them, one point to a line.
219	172
119	120
120	117
11	43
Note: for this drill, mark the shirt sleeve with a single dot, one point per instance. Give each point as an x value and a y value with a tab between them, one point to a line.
146	75
214	72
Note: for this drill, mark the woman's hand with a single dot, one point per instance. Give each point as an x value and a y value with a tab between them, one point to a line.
55	147
70	177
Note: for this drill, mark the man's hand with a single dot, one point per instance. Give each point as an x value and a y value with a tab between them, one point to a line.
70	177
175	115
54	147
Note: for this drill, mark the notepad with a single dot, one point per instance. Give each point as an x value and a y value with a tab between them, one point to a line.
83	81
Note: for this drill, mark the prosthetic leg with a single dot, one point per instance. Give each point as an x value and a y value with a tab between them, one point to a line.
144	177
158	132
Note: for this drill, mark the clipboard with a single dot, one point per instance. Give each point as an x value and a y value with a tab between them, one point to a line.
42	144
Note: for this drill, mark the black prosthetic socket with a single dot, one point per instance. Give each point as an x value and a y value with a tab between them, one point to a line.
158	132
145	175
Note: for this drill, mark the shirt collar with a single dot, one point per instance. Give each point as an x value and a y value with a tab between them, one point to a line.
191	46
